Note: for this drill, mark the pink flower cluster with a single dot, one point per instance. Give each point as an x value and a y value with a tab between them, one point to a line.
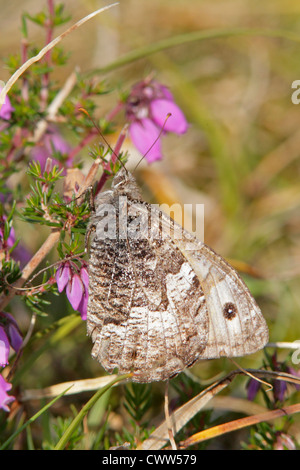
52	142
76	284
147	109
151	112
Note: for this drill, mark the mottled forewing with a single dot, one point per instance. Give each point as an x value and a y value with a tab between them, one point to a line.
146	309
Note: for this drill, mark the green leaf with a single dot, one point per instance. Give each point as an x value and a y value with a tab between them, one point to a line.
24	29
39	19
59	18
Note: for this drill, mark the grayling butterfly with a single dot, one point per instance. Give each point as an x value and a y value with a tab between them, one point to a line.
159	298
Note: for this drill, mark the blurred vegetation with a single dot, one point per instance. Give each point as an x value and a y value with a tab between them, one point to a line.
240	157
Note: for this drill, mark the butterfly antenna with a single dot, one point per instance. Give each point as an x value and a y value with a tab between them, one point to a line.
160	133
246	372
115	154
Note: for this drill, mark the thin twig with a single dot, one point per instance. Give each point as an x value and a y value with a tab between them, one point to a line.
115	152
238	424
270	387
46	49
31	266
75	386
50	116
167	415
285	345
54	107
30	330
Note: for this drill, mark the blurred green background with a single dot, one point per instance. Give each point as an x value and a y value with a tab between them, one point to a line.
240	156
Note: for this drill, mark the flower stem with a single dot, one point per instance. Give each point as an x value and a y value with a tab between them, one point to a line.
47	58
113	160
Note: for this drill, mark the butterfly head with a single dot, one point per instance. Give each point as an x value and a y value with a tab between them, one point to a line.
125	184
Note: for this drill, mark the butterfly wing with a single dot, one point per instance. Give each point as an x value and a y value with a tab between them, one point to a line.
139	322
236	324
160	302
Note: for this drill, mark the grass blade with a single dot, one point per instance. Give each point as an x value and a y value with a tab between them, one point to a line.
78	419
31	420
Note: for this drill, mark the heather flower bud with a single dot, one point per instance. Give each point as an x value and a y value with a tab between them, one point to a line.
63	275
76	286
84	275
253	387
10	336
279	390
82	307
75	291
147	110
4	347
52	141
11	238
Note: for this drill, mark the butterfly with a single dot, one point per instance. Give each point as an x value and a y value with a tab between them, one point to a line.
159	298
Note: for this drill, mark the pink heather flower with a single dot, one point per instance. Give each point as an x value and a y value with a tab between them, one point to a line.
76	286
74	291
143	134
4	347
147	108
253	387
82	307
11	238
279	390
84	275
4	398
175	123
63	274
12	330
51	142
6	109
10	336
